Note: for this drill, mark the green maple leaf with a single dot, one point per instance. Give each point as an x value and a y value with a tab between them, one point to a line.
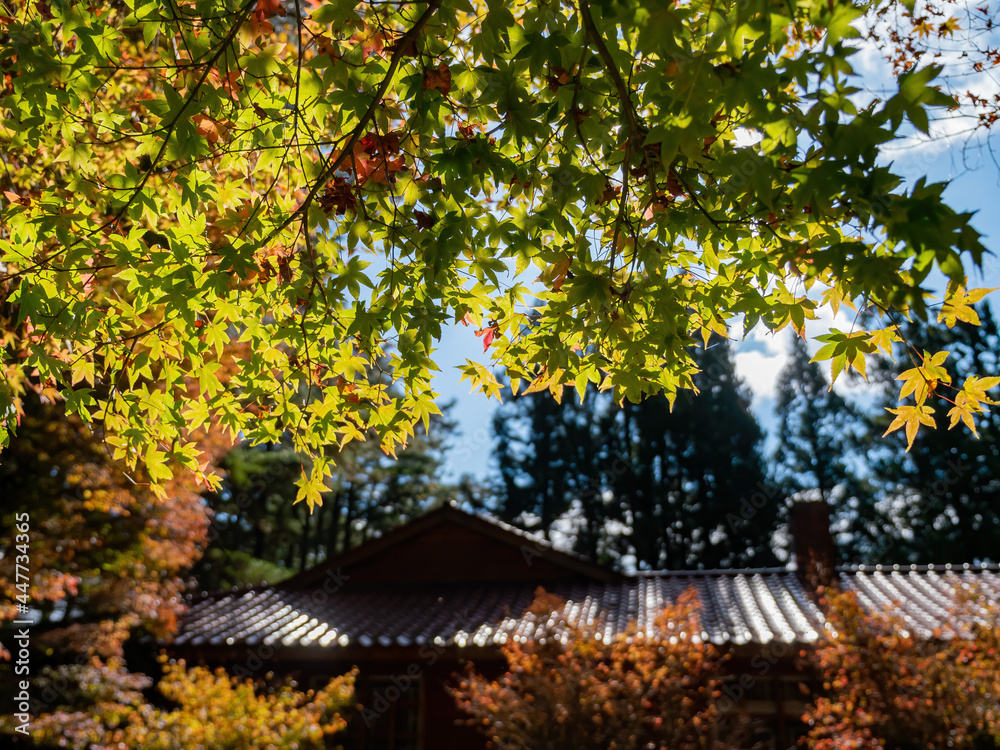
259	220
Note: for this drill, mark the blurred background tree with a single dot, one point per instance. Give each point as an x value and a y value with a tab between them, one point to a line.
821	447
642	484
207	709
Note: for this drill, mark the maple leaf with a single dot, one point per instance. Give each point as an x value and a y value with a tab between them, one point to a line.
206	476
410	50
374	143
559	77
488	335
327	46
969	401
348	390
949	27
259	27
424	220
482	380
911	417
609	194
976	387
383	170
883	338
674	186
963	411
268	8
374	44
231	82
958	306
439	79
338	197
922	381
15	198
212	130
555	274
844	350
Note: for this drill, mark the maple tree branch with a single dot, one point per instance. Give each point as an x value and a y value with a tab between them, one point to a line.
169	128
635	126
630	119
623	202
167	131
400	48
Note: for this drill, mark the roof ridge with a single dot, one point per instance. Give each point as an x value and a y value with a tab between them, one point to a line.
199	596
712	572
926	568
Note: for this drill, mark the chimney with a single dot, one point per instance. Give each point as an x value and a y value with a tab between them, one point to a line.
812	542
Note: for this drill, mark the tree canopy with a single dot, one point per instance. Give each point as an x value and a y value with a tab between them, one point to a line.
294	192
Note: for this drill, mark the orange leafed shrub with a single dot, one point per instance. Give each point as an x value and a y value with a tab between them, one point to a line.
566	686
885	686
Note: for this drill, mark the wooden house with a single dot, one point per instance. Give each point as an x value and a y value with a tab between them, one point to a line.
410	608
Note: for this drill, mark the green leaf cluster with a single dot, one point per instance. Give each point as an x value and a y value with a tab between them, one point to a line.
234	213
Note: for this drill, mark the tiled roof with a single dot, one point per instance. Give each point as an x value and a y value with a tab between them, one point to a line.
925	596
738	606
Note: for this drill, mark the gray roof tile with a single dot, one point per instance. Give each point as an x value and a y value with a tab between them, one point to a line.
738	606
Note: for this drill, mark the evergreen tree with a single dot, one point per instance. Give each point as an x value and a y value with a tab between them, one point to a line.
693	469
254	522
821	441
943	495
643	484
554	461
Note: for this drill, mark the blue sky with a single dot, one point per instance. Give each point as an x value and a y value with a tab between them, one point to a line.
949	155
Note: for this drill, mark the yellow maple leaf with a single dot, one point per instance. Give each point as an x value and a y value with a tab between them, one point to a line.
911	417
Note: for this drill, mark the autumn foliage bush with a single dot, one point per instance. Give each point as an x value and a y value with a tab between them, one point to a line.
886	686
566	686
211	710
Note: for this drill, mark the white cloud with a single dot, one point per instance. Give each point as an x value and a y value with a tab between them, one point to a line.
761	355
760	371
956	55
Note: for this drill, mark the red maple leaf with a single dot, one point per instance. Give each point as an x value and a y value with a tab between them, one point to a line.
488	335
267	8
426	221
